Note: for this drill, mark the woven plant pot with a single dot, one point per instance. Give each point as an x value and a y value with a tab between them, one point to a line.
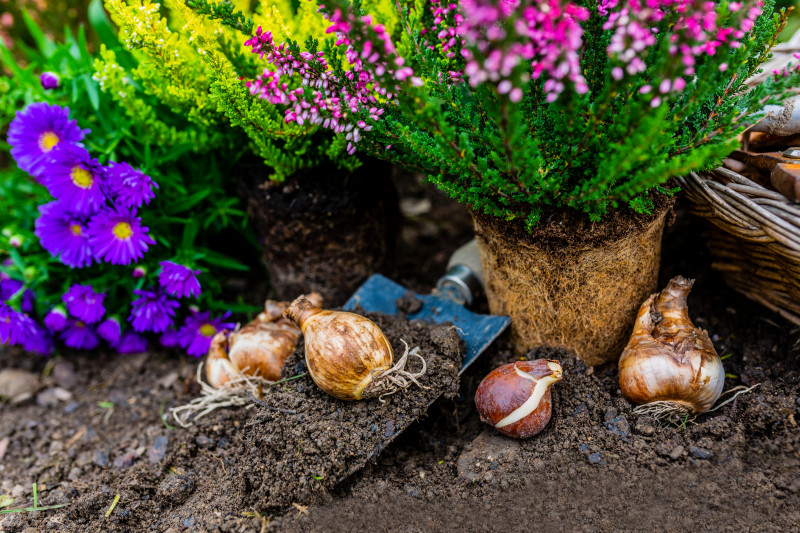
582	296
755	240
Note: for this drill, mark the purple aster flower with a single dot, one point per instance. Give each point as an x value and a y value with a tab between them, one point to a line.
110	330
179	280
56	319
132	343
36	131
10	288
130	186
76	179
152	311
39	341
49	80
139	272
15	327
79	335
85	304
118	237
63	234
170	339
197	331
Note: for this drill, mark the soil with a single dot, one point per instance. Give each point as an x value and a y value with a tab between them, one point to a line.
324	230
596	467
562	231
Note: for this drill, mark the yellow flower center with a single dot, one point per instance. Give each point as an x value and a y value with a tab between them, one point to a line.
79	324
76	229
122	230
82	178
207	330
48	140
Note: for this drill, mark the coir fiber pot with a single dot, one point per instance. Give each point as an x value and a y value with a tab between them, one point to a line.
571	283
324	229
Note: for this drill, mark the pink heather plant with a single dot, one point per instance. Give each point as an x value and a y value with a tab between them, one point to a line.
518	107
374	69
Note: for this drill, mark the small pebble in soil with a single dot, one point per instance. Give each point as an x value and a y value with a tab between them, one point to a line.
53	396
17	385
125	460
596	459
159	449
700	453
64	374
676	453
71	407
203	441
13	523
619	426
100	458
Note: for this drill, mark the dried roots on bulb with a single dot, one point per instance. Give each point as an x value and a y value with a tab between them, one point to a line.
238	391
669	366
257	349
348	356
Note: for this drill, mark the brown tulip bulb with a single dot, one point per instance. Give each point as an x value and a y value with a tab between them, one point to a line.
667	358
257	349
515	398
347	355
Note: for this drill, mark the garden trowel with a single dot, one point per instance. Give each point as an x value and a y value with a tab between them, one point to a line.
448	302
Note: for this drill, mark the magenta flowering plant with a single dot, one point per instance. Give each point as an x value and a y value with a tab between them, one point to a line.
525	108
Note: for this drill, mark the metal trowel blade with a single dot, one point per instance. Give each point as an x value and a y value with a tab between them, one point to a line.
379	294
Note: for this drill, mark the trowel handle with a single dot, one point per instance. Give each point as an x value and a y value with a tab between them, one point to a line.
463	281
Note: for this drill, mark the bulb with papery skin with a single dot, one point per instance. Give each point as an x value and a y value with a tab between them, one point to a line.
257	349
347	355
515	398
667	358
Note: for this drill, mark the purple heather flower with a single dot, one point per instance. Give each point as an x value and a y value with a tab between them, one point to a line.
56	319
170	339
197	331
152	311
36	131
85	304
39	341
118	237
63	234
79	335
130	186
132	343
110	330
76	179
15	327
49	80
179	280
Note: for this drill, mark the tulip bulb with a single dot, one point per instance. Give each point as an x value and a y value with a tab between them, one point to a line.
347	355
668	359
257	349
515	398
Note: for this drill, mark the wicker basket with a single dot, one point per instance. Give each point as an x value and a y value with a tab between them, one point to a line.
755	240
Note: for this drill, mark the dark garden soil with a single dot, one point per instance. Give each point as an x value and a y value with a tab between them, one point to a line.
94	432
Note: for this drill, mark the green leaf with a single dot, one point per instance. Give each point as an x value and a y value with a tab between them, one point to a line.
188	202
91	89
5	500
217	259
43	42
